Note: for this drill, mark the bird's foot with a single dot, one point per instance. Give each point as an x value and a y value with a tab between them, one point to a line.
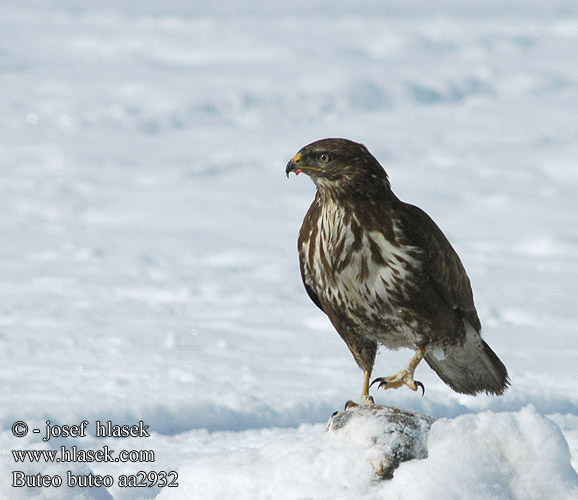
365	400
404	377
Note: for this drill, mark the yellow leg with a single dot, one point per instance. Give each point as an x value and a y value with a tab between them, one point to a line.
366	399
365	390
416	360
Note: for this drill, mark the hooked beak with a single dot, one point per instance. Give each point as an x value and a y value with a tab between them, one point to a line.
294	166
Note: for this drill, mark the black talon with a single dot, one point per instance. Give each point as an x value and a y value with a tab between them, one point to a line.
350	404
381	380
419	384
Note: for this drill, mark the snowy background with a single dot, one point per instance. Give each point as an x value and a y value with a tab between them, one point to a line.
148	263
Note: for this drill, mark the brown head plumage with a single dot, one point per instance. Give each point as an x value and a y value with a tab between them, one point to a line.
341	166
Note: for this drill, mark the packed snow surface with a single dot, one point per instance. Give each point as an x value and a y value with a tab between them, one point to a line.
148	256
487	456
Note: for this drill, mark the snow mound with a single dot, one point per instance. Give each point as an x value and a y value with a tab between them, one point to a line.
390	435
486	456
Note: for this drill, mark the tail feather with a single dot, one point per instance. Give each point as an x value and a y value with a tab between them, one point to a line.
471	368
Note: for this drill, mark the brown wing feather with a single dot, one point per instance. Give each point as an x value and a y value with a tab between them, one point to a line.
306	235
312	295
441	262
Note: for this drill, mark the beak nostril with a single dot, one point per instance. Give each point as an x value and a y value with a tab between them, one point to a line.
297	158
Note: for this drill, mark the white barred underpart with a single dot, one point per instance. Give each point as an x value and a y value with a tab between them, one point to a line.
347	288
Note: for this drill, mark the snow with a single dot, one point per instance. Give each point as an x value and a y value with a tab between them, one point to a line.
148	254
516	455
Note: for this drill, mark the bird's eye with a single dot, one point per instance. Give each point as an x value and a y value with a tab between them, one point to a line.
324	158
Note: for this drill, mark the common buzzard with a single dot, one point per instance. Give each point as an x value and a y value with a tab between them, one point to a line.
385	274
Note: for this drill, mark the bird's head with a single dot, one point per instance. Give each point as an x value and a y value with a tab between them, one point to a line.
339	166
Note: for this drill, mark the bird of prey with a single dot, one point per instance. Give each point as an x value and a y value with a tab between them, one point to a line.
385	274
